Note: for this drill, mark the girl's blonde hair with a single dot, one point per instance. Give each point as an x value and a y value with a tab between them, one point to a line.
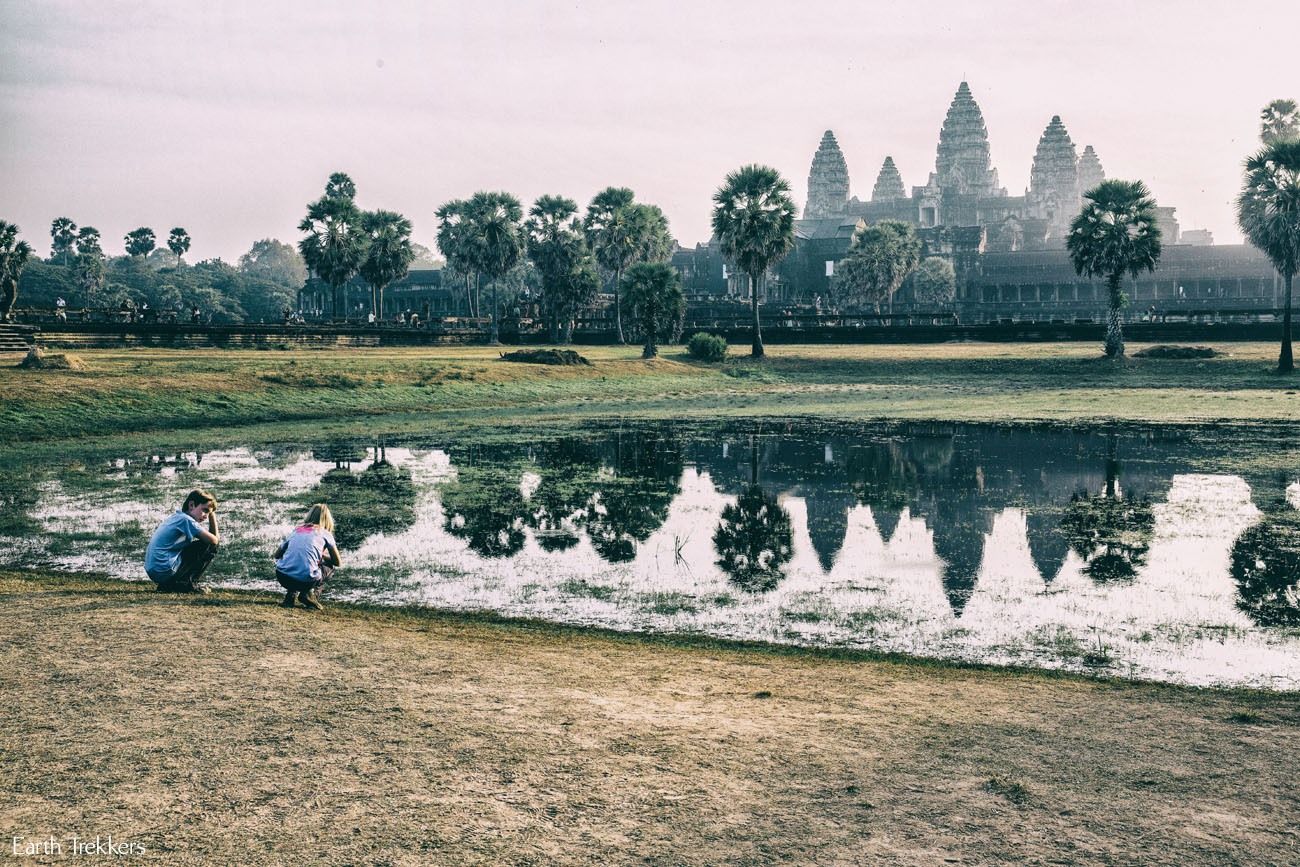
320	514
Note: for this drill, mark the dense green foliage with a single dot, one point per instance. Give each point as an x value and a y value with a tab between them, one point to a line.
707	347
266	281
753	217
1115	233
934	281
1268	211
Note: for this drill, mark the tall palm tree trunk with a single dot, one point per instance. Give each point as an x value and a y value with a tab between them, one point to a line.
496	316
1285	363
1114	330
618	310
756	350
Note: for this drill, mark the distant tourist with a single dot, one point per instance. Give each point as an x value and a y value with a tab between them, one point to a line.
60	309
183	545
401	317
370	318
307	558
195	315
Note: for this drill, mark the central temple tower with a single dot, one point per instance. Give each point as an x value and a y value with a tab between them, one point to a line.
1054	180
963	166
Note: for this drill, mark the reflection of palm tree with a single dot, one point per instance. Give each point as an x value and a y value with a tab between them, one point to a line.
1266	567
486	508
623	514
1112	533
381	499
646	471
754	540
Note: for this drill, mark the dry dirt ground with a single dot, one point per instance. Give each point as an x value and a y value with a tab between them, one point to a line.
229	731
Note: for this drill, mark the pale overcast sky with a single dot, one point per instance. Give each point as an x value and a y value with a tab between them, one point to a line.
227	117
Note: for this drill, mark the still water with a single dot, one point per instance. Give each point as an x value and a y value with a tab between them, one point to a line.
1127	552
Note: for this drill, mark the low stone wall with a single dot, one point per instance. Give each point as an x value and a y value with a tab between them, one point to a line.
111	335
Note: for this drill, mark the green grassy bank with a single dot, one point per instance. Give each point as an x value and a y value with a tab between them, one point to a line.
139	390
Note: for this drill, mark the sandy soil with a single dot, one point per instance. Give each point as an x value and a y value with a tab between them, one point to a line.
229	731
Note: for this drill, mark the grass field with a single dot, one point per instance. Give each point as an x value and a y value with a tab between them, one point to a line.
166	390
226	730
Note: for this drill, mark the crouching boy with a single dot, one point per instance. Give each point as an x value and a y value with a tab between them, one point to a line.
183	545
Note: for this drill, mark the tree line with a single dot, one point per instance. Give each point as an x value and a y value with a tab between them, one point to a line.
625	246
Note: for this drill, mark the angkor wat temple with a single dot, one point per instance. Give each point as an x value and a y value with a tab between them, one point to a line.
964	190
1008	251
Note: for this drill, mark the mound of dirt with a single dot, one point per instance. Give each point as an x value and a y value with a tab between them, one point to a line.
564	357
1164	351
38	359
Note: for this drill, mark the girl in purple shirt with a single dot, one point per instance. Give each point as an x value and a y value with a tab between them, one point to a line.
307	558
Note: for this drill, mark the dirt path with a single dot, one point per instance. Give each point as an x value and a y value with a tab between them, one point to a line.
229	731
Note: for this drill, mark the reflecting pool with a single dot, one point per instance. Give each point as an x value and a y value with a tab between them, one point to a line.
1124	552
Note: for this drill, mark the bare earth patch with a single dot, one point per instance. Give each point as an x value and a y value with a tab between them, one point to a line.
227	730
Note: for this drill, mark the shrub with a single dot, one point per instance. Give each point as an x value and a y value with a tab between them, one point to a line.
707	347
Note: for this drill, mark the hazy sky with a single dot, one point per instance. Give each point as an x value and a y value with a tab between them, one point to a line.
227	117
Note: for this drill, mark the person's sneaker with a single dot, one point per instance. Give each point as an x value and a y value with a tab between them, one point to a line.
309	600
288	600
196	589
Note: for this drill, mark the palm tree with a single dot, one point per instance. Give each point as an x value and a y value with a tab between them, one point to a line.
610	236
340	186
179	243
495	241
879	260
1268	211
453	235
1279	121
13	258
335	245
89	263
63	232
654	294
554	244
388	253
140	242
753	217
1115	232
649	229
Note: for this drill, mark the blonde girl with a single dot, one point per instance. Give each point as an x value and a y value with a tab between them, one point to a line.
307	558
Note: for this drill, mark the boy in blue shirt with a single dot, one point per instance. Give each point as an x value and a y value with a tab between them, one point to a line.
182	546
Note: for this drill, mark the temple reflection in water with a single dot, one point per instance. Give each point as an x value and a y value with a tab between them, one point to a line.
1118	549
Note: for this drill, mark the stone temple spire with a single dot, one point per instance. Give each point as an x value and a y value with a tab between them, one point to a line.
1090	171
1054	179
828	181
963	165
889	183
